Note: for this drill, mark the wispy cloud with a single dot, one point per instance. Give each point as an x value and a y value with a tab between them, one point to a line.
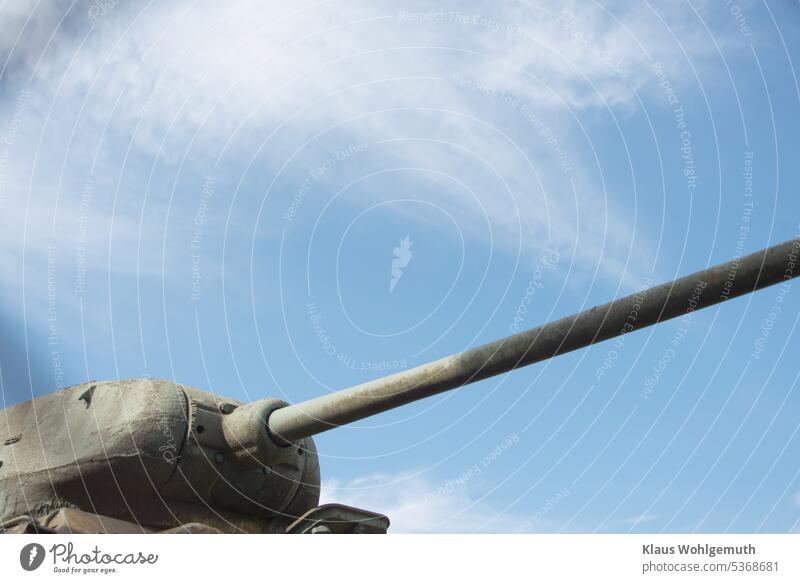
497	90
415	504
641	519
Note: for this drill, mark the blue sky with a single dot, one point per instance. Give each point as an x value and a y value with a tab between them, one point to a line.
215	195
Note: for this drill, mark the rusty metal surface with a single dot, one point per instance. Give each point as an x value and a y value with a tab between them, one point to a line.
328	518
339	519
192	528
693	292
23	525
74	521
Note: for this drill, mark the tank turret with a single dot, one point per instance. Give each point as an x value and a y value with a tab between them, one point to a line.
156	454
147	455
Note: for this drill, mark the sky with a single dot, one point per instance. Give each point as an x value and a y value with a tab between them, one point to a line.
269	199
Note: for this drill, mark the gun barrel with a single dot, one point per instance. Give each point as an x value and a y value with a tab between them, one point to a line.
634	312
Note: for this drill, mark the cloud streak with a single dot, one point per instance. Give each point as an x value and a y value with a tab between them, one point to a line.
415	504
497	95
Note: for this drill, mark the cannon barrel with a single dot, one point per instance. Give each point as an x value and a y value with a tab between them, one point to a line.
669	300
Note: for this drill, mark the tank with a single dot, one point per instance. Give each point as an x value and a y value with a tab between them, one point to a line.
148	455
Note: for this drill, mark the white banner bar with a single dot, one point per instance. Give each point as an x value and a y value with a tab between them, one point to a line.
332	558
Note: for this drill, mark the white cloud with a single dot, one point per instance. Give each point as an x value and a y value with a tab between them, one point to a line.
250	67
27	29
640	519
415	504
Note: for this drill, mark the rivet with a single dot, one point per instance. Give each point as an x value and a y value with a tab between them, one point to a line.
219	457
